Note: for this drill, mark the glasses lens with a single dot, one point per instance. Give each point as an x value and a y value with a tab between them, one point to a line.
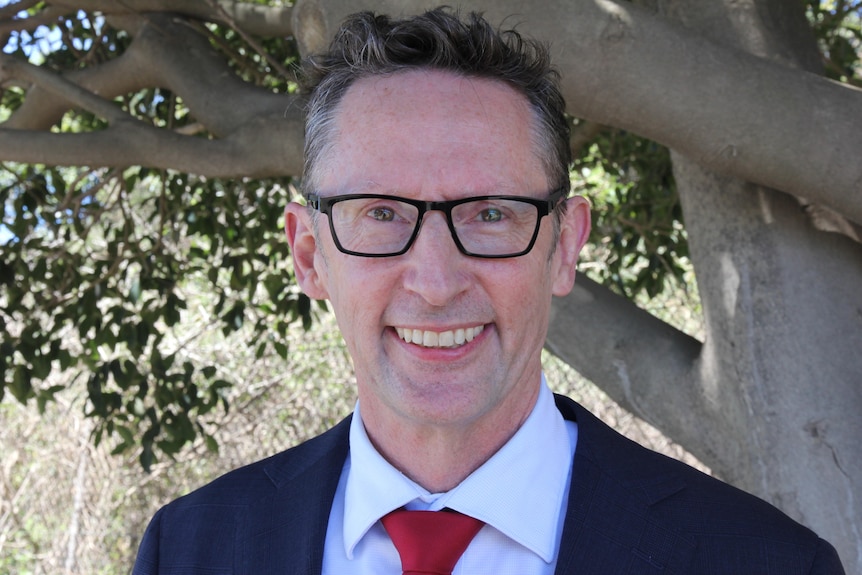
485	227
495	227
373	226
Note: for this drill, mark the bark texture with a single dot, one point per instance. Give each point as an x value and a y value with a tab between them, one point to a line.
777	380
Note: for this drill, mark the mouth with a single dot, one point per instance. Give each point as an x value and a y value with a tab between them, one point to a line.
439	339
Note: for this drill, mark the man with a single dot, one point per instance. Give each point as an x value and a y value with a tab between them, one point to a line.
438	226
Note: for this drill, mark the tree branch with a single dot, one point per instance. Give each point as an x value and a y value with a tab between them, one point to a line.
267	146
263	135
644	364
622	66
10	11
13	68
255	19
183	61
235	26
730	111
10	23
42	108
163	54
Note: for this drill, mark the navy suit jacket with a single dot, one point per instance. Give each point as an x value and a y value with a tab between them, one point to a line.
630	510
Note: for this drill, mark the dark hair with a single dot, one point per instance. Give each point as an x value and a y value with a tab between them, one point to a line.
370	45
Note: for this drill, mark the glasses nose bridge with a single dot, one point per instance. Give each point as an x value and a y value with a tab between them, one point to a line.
445	208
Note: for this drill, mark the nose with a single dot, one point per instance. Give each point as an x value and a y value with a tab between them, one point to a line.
435	266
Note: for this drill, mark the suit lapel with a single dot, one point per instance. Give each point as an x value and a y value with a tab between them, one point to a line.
287	530
611	525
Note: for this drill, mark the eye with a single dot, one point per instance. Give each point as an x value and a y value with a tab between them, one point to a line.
382	214
491	215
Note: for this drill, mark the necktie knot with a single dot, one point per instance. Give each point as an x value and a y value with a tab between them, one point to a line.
430	542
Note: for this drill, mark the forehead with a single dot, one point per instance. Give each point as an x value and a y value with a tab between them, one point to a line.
427	128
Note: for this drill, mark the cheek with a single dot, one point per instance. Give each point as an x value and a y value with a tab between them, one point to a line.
525	302
358	299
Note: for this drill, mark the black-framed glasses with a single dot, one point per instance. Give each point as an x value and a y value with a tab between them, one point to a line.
378	225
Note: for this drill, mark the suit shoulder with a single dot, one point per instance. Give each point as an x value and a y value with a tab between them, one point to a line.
208	530
715	527
241	486
694	499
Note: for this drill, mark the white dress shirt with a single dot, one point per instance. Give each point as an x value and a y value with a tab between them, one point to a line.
520	493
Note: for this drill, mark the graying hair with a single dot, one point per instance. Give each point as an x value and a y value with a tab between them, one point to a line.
371	45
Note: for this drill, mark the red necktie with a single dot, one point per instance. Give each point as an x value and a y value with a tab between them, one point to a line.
430	542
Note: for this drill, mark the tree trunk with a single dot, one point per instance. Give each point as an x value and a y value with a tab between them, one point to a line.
777	386
783	310
780	368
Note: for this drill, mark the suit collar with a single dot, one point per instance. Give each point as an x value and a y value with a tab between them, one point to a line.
610	526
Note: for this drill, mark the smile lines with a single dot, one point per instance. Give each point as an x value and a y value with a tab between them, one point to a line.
452	338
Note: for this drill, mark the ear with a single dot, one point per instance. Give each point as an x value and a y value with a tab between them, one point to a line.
307	262
574	231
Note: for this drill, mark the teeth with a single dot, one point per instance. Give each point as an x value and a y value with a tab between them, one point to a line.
452	338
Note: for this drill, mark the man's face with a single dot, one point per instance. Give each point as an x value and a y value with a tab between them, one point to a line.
432	135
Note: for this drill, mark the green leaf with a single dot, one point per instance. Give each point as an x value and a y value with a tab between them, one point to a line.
147	457
211	443
21	385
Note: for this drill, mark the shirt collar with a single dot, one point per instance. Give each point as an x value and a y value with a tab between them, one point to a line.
518	491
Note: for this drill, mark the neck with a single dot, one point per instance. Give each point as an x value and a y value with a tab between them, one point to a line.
440	456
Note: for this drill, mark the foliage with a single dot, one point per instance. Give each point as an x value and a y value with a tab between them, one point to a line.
638	235
96	279
838	27
67	506
97	266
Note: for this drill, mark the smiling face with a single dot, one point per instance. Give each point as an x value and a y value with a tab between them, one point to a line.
438	338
